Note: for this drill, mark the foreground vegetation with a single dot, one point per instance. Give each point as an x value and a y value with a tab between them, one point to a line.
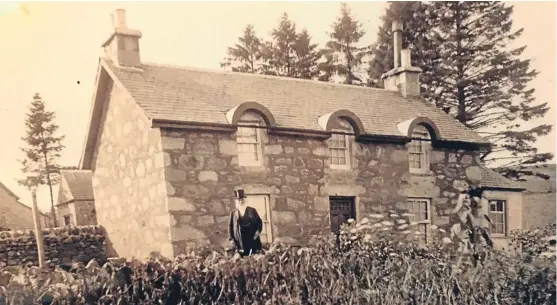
378	262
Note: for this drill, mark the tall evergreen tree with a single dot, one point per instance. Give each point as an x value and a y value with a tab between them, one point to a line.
42	149
245	56
307	57
280	54
342	54
472	72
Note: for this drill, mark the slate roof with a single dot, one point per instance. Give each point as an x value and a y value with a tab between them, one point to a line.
194	95
493	179
80	183
2	185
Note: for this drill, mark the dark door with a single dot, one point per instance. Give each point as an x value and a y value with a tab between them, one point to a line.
342	209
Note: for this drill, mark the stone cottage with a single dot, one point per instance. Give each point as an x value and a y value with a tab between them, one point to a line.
76	204
166	146
15	215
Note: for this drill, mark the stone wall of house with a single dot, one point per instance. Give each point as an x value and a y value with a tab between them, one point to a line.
65	209
85	214
62	246
16	215
82	213
202	170
538	210
128	180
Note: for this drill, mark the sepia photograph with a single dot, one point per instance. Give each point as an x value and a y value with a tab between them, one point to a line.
278	152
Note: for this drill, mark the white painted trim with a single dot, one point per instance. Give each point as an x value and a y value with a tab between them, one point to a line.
230	114
404	127
323	120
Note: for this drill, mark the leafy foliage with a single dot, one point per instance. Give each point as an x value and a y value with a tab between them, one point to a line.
377	261
471	70
43	148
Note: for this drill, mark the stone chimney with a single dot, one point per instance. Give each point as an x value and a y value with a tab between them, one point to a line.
122	47
403	77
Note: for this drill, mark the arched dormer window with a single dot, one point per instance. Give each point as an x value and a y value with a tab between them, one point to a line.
341	145
418	150
249	139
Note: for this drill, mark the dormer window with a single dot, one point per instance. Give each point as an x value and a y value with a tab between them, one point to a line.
248	140
340	144
339	150
418	150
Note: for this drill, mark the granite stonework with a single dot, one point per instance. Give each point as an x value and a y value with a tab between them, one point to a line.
201	170
128	180
81	212
62	246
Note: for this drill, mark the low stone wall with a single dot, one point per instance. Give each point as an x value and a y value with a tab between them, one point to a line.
63	246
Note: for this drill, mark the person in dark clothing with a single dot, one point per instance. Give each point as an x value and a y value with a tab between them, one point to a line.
245	226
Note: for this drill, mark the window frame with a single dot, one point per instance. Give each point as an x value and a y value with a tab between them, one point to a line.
69	218
268	222
258	143
347	150
425	148
428	214
504	213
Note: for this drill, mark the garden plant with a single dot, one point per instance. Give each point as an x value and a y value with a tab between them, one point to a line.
379	260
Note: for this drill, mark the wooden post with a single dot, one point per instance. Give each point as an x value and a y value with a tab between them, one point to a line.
38	229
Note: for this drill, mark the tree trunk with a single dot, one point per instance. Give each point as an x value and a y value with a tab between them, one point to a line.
461	116
52	210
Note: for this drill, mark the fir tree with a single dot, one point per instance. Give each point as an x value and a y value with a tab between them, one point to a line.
307	57
42	149
289	53
342	54
245	56
472	72
280	54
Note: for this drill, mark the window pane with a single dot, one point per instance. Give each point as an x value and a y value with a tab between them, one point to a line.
342	160
500	206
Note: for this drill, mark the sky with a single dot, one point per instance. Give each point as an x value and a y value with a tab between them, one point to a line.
53	49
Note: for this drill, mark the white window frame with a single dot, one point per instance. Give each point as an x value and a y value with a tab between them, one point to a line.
265	217
425	147
258	144
503	212
347	150
426	222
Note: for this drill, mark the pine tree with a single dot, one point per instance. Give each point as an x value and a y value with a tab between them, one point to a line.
43	149
472	72
289	53
245	56
280	54
307	57
342	54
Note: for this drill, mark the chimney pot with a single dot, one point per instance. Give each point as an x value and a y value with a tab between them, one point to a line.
119	19
397	42
397	26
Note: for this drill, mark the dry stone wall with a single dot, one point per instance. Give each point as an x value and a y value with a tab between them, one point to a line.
62	246
201	170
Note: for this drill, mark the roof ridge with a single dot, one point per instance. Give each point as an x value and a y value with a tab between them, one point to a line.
273	77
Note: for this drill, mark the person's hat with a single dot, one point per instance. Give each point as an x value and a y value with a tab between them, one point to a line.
475	192
239	194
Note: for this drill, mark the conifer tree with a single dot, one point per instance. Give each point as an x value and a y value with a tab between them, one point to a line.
289	53
43	148
343	55
307	57
280	54
245	56
471	71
